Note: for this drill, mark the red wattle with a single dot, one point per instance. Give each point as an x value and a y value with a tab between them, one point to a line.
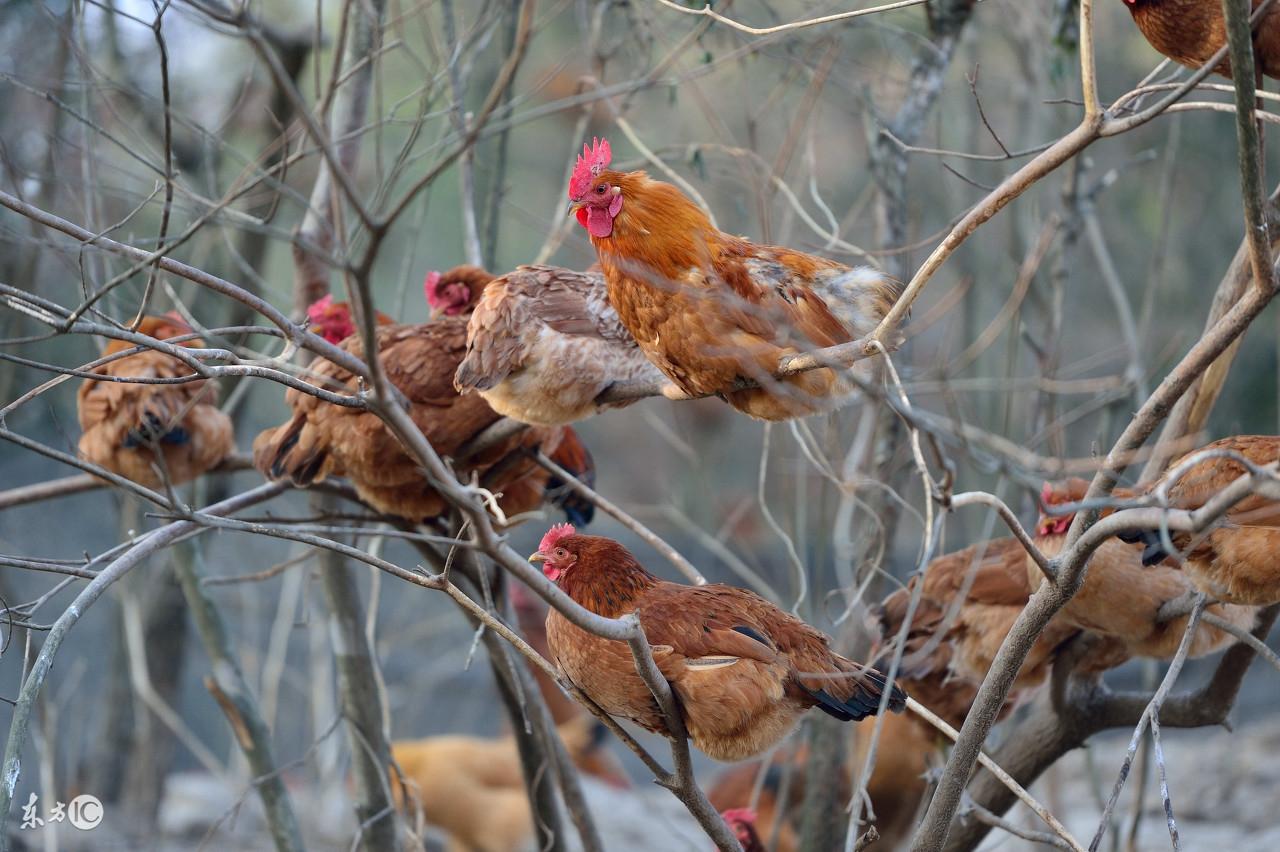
582	216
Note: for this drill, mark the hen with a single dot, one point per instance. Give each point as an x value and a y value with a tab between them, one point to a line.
1190	31
743	670
1235	559
136	429
322	439
716	312
968	605
473	788
544	343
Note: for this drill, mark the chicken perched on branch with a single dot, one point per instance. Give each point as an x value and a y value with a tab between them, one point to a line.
969	602
322	439
1190	32
1121	600
743	670
716	312
1236	559
544	343
136	429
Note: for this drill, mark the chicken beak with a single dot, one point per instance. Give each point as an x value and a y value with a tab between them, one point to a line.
574	207
537	557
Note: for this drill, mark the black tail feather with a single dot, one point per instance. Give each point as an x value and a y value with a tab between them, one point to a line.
865	700
1154	552
578	510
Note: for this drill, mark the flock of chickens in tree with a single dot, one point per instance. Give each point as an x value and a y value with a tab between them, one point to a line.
675	301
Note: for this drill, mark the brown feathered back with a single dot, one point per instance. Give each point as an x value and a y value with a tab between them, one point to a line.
743	669
1190	31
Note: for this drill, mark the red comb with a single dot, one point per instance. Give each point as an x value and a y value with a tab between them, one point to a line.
739	815
1046	494
430	283
554	536
591	162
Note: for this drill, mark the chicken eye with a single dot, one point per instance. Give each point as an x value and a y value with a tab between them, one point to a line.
561	553
601	188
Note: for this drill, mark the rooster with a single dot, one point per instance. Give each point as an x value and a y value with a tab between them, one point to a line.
1235	559
322	439
969	602
1190	32
544	343
137	430
715	312
743	670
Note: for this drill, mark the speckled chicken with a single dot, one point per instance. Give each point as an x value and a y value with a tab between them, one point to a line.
1190	31
136	429
743	670
714	311
1235	560
322	439
544	343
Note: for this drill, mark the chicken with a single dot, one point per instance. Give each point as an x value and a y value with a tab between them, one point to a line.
1119	599
531	618
602	763
333	321
732	791
743	670
944	669
714	311
322	439
1190	31
544	343
1235	559
137	430
742	821
473	788
896	787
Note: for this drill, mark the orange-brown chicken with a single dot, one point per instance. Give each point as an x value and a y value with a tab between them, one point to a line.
743	670
137	430
599	761
969	602
544	343
322	439
472	787
713	311
1190	31
1235	560
1120	599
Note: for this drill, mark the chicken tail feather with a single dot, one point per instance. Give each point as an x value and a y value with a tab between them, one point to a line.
1154	552
863	701
285	453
